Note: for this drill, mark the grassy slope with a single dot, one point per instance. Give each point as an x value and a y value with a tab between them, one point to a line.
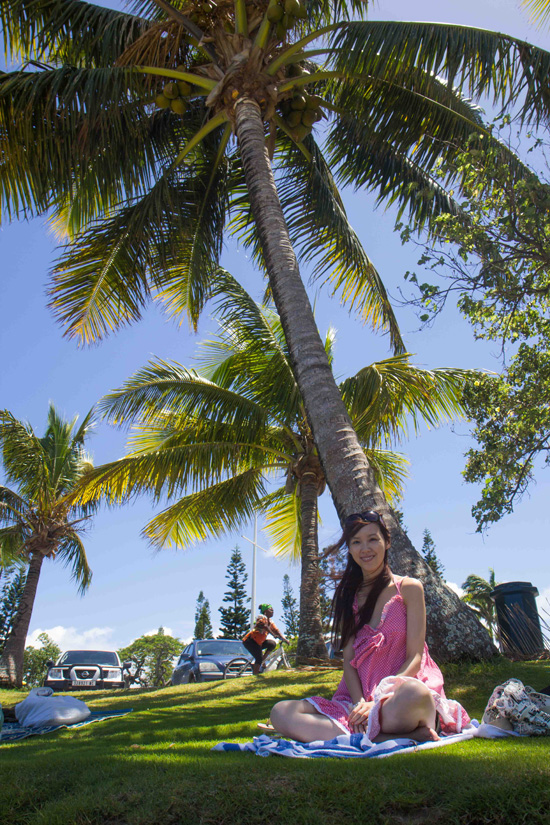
155	765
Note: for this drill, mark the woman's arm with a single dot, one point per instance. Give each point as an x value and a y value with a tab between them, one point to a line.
274	630
413	596
359	714
351	677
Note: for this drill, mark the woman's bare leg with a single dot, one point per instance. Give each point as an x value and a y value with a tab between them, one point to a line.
410	713
298	719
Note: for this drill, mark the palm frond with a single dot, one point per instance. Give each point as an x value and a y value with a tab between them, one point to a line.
539	10
181	392
166	466
70	30
73	554
171	237
216	511
25	462
390	470
283	525
250	354
320	231
72	134
12	506
383	397
187	283
390	137
479	61
12	539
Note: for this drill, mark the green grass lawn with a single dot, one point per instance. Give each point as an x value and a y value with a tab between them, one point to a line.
155	765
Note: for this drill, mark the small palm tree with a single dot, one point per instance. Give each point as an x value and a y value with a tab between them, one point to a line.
478	595
38	520
218	435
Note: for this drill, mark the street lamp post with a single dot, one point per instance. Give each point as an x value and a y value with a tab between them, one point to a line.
255	545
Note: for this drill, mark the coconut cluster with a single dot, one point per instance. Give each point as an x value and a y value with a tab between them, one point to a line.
200	14
175	95
284	13
301	112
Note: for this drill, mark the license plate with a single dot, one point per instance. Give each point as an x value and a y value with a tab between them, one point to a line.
84	682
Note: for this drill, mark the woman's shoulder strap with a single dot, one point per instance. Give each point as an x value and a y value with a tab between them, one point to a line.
399	581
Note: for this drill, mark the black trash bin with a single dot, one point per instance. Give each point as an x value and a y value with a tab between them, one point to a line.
518	619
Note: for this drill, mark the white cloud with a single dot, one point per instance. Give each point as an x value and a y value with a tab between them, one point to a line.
69	638
457	589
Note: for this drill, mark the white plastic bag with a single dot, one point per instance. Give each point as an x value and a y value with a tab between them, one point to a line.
42	708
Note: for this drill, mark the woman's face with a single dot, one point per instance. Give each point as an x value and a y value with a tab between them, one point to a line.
368	548
269	613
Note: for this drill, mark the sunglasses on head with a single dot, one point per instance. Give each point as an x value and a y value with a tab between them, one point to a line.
367	515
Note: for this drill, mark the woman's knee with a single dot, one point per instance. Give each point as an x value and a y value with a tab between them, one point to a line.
414	693
285	710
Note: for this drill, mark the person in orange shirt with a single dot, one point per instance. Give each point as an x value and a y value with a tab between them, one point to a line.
256	641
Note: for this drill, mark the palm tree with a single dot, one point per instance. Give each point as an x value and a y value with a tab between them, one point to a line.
37	518
217	435
91	128
477	592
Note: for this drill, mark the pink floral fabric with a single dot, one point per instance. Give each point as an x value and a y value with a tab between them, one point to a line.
379	653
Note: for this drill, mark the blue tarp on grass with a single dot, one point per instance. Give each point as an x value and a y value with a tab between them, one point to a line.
13	731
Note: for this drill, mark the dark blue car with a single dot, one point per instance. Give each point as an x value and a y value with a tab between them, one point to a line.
204	660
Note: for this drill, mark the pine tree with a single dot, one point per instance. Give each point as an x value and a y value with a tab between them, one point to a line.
235	617
291	615
428	548
332	567
203	622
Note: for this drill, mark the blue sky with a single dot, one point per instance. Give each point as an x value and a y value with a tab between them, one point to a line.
135	590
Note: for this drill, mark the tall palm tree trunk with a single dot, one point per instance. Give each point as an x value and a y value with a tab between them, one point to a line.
333	432
14	649
453	630
311	644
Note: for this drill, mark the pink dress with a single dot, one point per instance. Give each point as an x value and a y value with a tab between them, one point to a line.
379	653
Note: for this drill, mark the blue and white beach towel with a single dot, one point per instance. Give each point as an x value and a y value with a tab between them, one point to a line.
13	731
346	746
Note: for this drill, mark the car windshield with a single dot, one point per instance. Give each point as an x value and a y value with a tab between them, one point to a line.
89	657
218	647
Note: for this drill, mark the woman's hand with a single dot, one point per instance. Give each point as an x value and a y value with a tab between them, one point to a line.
359	716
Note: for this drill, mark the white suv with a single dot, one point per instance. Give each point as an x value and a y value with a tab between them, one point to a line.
86	669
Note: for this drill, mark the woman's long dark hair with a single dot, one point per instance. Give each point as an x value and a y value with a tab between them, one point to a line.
345	623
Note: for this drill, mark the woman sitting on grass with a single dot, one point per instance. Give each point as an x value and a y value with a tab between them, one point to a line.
391	687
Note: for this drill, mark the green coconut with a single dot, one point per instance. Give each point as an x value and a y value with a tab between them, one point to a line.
295	70
313	102
280	31
294	119
298	102
301	132
162	101
309	118
300	12
171	91
275	14
184	88
178	106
